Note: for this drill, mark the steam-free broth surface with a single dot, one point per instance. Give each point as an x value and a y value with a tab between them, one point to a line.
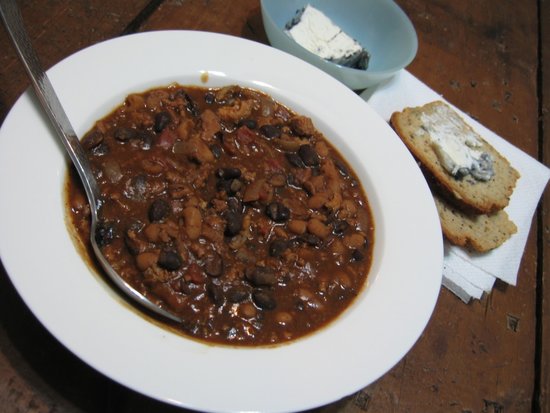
228	209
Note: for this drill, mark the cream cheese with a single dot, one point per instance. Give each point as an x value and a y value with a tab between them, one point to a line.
315	32
457	148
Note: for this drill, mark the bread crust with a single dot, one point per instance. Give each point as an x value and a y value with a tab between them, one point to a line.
471	211
483	197
480	232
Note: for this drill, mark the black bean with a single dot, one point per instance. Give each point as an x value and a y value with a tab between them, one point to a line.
159	210
277	247
249	123
209	98
104	233
169	260
191	106
292	181
310	239
342	168
216	150
145	139
309	155
124	134
357	255
270	131
228	173
93	139
162	120
264	300
295	160
339	226
261	276
215	292
277	212
234	222
213	265
237	294
235	204
100	150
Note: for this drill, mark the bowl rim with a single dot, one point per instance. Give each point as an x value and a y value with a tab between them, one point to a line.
83	294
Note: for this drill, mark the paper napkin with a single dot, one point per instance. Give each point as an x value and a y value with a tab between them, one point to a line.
469	274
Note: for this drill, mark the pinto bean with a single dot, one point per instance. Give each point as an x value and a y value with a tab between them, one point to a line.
318	228
322	149
133	243
278	180
297	226
354	240
302	126
253	190
195	149
193	222
146	260
283	318
152	166
152	232
247	310
317	201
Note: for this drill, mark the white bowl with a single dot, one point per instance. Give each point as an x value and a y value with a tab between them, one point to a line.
83	312
380	26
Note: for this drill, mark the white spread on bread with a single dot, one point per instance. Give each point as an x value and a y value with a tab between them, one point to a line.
458	149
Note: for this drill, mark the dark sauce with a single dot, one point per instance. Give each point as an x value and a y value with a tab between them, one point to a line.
228	209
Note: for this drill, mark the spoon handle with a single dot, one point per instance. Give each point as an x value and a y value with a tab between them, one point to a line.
13	22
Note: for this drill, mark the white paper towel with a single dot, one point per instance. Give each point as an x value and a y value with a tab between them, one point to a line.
465	273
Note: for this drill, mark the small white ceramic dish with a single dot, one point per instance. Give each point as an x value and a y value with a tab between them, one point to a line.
380	26
90	319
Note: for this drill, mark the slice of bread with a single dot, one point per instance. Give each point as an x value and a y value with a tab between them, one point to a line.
467	192
480	232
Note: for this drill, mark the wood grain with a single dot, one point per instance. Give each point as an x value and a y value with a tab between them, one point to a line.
481	357
58	29
543	354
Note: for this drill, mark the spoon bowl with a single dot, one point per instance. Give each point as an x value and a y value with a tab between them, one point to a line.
11	16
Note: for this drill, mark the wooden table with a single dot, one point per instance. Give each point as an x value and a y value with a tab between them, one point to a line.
487	58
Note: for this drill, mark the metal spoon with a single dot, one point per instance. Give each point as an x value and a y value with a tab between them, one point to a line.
13	21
